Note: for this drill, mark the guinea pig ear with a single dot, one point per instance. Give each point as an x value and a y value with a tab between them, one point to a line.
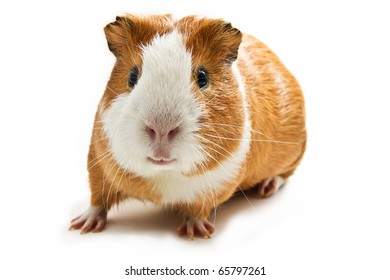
221	38
117	33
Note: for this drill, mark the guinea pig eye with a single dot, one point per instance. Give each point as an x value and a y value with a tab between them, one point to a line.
133	77
202	78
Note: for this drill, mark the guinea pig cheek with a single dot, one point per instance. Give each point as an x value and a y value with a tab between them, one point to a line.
119	127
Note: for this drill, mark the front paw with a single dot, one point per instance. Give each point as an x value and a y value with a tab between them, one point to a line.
192	227
92	220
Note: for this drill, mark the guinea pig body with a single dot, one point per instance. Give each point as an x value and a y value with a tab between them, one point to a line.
193	111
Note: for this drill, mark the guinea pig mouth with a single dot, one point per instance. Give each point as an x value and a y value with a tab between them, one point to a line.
161	161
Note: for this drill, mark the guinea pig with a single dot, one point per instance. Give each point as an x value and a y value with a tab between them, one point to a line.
194	111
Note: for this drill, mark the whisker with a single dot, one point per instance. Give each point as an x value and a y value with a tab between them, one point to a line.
237	126
218	152
205	181
255	140
218	146
117	94
98	128
112	185
99	140
104	183
238	185
208	185
99	159
117	188
212	125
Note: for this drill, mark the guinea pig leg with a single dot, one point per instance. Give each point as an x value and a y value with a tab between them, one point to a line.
196	227
269	186
95	218
92	220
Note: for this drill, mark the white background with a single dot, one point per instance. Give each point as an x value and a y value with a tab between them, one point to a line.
330	222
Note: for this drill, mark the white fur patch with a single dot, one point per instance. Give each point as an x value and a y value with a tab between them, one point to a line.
89	215
164	93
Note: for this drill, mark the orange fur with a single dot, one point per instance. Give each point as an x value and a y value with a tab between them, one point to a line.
215	44
285	125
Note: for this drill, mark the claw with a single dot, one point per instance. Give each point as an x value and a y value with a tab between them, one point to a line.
192	227
93	220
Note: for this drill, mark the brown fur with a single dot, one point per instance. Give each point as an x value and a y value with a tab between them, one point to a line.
215	44
285	125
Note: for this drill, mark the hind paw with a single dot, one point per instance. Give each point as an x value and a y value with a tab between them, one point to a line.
269	186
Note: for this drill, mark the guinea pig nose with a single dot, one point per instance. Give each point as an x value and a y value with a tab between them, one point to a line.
159	134
151	132
172	133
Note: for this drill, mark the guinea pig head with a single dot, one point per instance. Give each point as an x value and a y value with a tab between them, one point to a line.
173	102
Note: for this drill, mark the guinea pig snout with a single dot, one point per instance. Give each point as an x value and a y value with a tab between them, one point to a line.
158	133
161	138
